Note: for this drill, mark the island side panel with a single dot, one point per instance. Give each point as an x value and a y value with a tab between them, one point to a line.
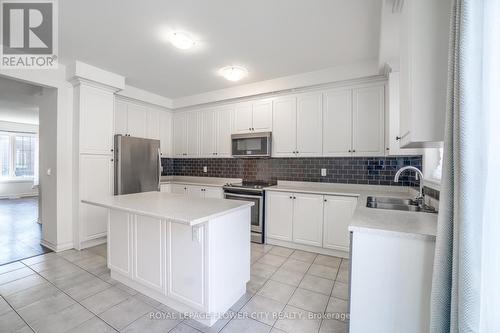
119	242
229	259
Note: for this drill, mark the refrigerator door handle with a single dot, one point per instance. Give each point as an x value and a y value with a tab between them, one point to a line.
159	168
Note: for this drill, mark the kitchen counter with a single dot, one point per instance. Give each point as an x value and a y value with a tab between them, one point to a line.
191	254
198	181
173	207
413	224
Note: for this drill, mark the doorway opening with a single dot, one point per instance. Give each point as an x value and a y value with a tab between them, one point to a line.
20	226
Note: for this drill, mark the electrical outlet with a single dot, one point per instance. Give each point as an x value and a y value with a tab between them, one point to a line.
205	169
323	172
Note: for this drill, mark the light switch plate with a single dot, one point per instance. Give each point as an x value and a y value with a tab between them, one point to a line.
205	169
323	172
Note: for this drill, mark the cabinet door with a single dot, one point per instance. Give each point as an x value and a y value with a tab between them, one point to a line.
285	124
187	271
368	121
119	240
166	134
167	188
308	219
214	192
137	120
262	116
148	252
96	120
337	122
309	125
279	210
242	118
120	118
337	216
179	188
224	132
153	124
195	191
180	134
208	131
193	134
96	182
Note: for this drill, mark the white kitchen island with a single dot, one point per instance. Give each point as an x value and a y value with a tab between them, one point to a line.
191	254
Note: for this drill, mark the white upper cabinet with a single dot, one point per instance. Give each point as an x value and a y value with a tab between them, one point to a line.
137	120
166	133
179	134
424	35
96	120
253	116
297	126
153	124
121	117
193	134
368	121
208	130
309	125
337	122
262	116
243	118
285	125
223	137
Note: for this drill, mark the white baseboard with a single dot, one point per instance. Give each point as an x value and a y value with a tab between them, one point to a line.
314	249
57	247
93	242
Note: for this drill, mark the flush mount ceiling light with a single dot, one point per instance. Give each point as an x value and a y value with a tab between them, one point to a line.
233	73
182	40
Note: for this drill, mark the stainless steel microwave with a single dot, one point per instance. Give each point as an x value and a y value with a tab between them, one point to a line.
251	145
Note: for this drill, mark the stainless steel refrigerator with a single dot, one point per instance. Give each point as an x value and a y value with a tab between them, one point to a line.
137	165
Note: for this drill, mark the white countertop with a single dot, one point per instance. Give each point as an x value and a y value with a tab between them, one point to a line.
199	181
413	224
173	207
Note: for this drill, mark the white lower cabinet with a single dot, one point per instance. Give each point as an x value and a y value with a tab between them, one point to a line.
194	190
337	213
279	213
308	219
315	220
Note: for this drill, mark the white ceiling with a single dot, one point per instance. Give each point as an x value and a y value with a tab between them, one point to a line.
271	38
19	101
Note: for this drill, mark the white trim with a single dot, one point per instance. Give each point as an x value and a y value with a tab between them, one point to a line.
57	247
136	94
432	183
314	249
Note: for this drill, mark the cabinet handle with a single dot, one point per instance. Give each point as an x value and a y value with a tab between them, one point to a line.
249	128
398	138
294	198
112	149
291	197
112	160
354	151
325	200
349	151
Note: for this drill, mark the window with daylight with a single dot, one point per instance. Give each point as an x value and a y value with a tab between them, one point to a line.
17	155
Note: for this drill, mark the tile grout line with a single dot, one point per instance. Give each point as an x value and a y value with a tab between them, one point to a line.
31	328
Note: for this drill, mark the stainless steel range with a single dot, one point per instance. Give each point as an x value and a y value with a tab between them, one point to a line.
251	190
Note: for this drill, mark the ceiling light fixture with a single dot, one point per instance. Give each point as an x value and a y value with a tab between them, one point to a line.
233	73
182	40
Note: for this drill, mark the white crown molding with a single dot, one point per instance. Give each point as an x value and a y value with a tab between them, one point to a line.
130	93
82	73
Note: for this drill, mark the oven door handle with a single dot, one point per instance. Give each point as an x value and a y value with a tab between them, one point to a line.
242	195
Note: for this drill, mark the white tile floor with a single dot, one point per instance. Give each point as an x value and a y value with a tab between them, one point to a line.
72	291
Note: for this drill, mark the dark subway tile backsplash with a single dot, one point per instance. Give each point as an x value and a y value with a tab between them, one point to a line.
349	170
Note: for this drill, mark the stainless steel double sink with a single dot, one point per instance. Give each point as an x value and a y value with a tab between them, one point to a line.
408	205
